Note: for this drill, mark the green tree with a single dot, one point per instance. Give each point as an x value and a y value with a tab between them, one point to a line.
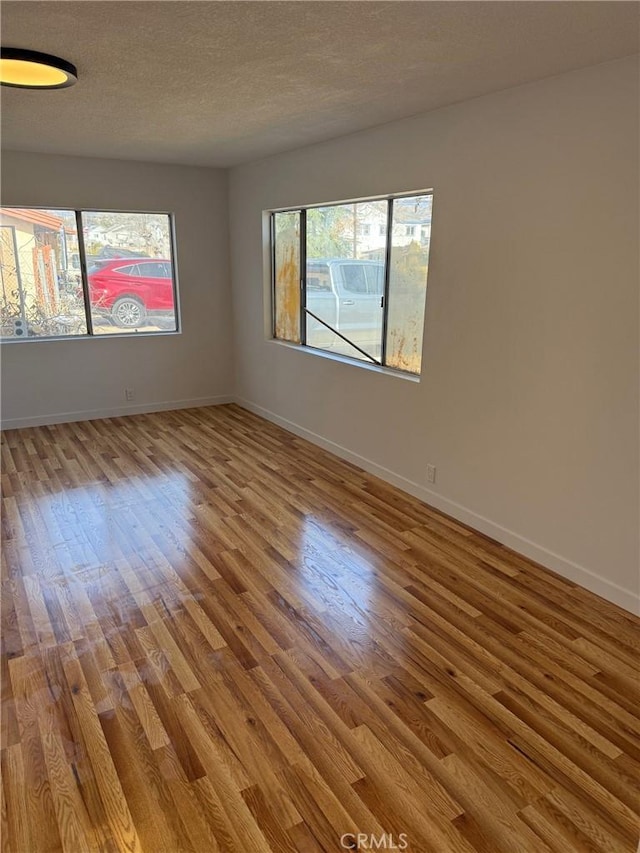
329	232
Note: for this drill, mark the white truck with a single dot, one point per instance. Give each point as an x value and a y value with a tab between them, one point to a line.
348	295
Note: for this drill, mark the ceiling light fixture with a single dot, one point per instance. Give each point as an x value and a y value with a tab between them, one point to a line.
28	69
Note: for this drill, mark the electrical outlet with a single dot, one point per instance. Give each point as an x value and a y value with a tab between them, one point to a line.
128	394
431	473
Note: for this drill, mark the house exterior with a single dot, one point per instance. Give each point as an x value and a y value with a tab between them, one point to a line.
411	224
38	254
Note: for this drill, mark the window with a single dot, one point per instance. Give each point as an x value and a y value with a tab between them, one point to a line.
153	270
128	286
286	274
354	279
336	292
41	292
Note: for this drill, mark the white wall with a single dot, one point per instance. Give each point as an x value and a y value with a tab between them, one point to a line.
528	403
64	380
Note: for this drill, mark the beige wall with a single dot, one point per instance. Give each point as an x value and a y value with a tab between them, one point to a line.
528	403
63	380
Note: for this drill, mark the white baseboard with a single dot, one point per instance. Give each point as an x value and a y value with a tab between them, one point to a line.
624	598
120	411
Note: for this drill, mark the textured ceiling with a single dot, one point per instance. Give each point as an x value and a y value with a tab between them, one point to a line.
219	83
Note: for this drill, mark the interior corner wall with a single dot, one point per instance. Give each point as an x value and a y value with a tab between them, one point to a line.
528	401
62	380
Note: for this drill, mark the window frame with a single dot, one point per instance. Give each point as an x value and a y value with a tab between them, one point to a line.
301	209
84	281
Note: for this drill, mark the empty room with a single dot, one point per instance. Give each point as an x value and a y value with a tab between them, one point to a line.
281	574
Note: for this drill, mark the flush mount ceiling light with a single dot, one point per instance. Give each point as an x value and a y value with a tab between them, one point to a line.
28	69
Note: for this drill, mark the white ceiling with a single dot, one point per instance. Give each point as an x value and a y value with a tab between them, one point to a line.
220	83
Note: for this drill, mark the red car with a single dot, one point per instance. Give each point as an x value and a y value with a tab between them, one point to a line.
128	290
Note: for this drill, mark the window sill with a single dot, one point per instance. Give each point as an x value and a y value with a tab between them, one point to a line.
344	359
118	336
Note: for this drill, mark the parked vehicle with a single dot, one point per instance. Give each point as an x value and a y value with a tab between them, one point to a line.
108	253
131	290
346	294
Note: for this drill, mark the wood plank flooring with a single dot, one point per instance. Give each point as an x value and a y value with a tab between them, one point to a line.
217	637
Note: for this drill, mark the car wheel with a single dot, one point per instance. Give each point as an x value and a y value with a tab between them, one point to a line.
128	312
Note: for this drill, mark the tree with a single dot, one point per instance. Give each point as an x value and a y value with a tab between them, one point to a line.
329	232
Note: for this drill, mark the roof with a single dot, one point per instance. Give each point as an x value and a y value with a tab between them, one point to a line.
35	217
410	213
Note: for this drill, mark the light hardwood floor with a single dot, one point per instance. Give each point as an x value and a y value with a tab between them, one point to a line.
218	637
